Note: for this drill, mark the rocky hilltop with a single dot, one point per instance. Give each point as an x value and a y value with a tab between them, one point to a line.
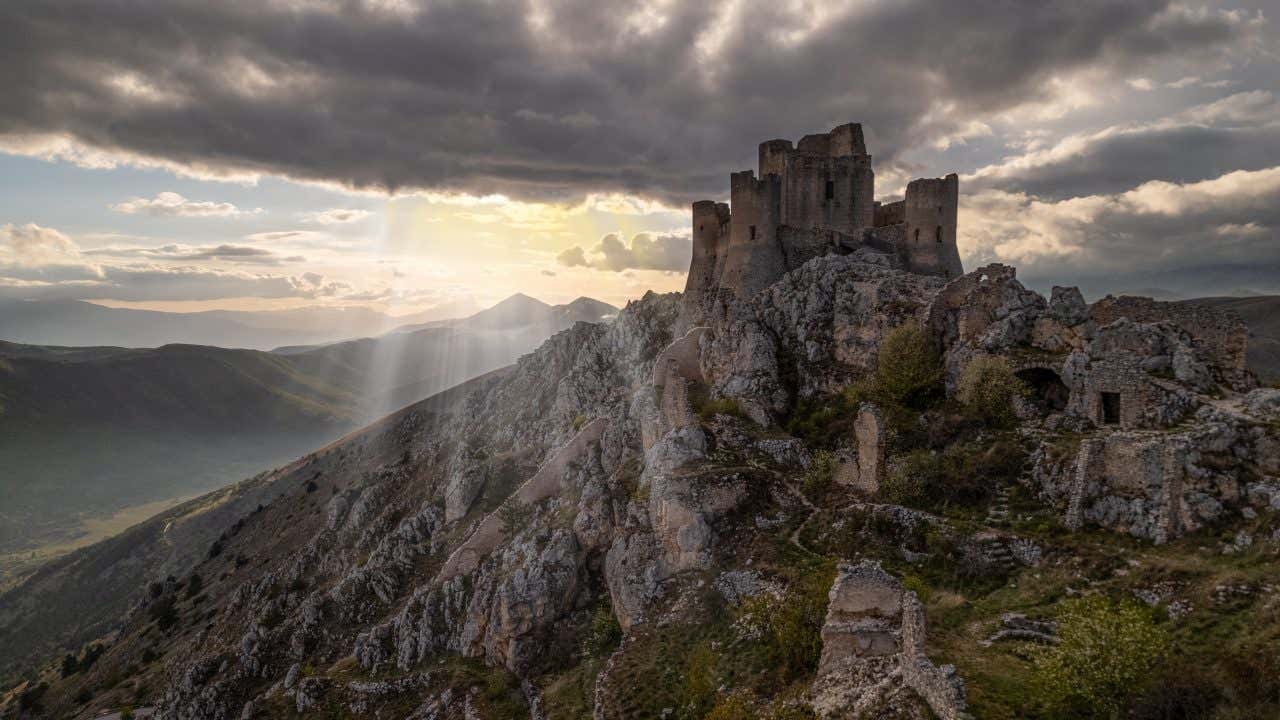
865	490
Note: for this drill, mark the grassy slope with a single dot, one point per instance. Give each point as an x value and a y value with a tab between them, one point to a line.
92	430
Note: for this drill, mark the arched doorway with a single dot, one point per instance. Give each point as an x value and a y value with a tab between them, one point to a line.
1048	392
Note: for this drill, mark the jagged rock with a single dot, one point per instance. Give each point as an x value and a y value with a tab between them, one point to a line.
1263	403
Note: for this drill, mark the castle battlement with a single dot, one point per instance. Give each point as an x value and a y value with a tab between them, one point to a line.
811	198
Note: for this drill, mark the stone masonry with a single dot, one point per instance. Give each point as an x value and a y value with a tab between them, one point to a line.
811	199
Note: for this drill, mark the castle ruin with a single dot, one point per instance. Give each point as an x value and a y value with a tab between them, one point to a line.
810	199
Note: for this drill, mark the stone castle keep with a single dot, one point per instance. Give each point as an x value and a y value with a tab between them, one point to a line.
810	199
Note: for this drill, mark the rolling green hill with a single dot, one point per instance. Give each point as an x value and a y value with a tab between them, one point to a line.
87	431
89	435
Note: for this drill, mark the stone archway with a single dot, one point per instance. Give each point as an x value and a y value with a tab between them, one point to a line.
1048	392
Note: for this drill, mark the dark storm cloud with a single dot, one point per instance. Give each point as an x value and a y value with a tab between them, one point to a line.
1238	132
547	99
1161	231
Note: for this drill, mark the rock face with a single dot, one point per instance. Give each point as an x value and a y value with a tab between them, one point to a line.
823	323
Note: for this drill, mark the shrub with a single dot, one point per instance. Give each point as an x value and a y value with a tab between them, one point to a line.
514	515
908	476
1251	673
91	655
820	473
908	369
194	585
70	666
163	612
987	389
739	705
1107	653
1183	692
604	634
699	682
30	698
791	626
959	475
721	406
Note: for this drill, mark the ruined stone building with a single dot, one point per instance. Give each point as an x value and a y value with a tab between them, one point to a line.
1140	408
810	199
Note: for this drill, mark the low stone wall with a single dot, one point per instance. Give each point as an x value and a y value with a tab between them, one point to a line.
941	687
1220	336
686	354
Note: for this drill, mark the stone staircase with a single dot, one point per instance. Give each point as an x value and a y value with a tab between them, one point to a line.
998	554
998	511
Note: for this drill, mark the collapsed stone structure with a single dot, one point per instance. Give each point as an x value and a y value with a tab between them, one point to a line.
873	646
811	199
1141	409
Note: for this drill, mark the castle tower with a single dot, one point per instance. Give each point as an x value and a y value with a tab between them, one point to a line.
827	180
930	212
754	259
810	199
710	245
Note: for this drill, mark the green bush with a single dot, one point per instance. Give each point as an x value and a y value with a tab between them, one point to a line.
791	626
741	705
908	369
699	682
987	389
1107	653
820	473
963	475
720	406
908	476
514	516
604	634
907	380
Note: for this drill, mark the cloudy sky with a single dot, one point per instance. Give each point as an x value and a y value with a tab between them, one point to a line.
406	155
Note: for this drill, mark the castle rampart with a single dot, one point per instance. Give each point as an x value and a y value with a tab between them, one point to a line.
812	198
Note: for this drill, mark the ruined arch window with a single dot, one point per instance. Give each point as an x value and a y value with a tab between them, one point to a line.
938	233
752	230
831	190
699	228
917	234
